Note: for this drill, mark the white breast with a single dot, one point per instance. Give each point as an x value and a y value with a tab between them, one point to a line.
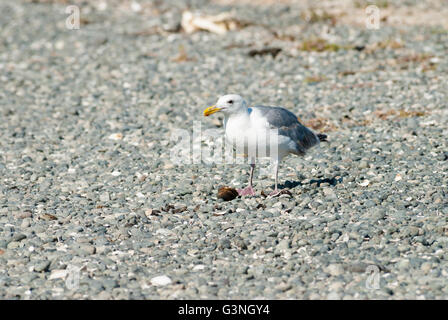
252	137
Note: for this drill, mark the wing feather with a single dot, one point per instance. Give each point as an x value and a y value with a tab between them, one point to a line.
288	125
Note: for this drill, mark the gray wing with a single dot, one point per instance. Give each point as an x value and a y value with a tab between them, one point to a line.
288	125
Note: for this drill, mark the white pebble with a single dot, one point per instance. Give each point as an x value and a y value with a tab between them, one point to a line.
116	136
58	274
365	183
198	267
161	281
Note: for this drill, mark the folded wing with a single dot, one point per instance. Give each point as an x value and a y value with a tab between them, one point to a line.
287	125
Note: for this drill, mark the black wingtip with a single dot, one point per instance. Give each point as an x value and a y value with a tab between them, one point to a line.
322	137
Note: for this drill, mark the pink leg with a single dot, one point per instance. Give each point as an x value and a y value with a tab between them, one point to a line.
248	191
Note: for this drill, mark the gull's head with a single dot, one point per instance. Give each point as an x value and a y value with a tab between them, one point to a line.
228	104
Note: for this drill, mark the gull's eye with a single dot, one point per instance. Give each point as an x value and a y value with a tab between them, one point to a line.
230	102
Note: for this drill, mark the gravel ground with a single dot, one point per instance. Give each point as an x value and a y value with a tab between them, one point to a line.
91	207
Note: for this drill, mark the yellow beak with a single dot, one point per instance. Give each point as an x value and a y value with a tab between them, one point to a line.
211	110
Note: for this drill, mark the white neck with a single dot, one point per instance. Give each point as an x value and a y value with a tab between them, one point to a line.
241	117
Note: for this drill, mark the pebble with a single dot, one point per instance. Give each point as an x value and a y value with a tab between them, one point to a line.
335	269
41	266
104	197
25	223
161	281
283	244
18	237
426	267
333	296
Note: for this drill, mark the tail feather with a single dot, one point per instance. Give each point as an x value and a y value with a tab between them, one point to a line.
322	137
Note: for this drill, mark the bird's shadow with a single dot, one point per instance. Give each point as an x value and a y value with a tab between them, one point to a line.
293	184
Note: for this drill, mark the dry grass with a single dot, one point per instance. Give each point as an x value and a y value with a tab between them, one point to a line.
315	15
319	45
364	3
352	12
397	114
413	60
182	57
315	79
383	45
320	124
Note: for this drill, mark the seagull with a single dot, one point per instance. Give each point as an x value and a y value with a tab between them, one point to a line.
263	131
